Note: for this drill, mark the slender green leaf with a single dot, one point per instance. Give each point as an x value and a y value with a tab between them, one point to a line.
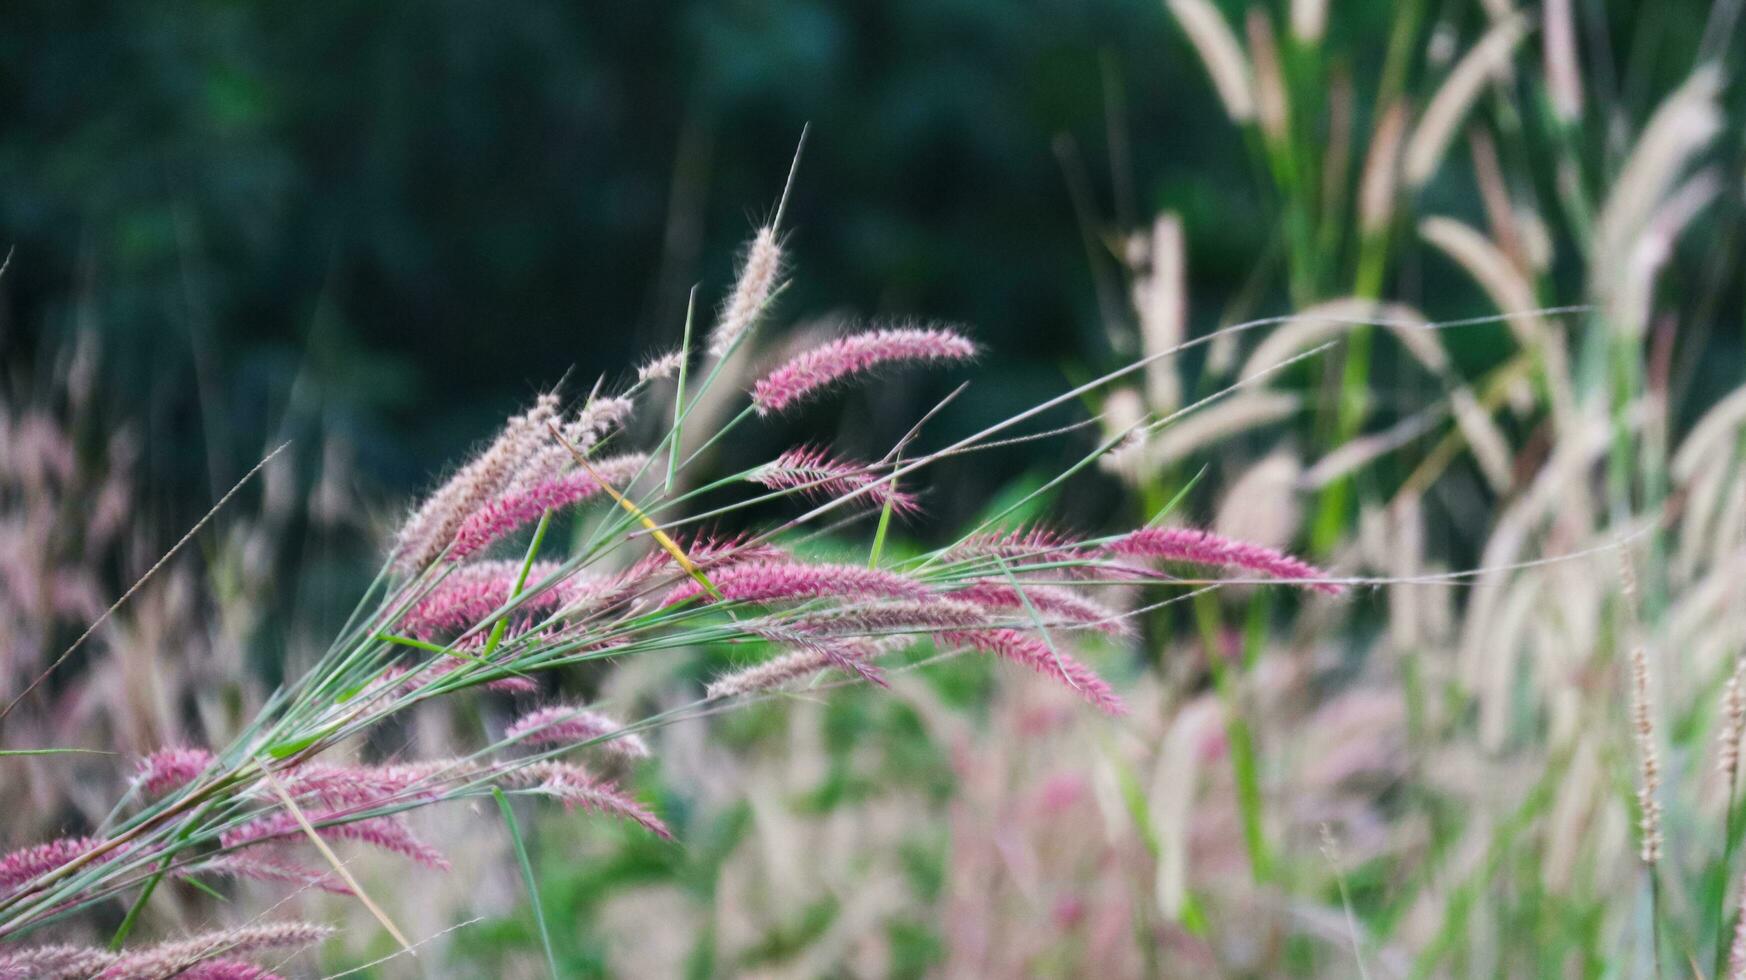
527	878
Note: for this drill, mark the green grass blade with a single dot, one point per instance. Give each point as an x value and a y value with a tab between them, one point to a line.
533	550
5	752
527	878
678	435
884	524
138	906
1176	501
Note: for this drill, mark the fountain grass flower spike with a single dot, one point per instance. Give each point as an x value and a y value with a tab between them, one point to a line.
855	354
815	473
477	599
1197	547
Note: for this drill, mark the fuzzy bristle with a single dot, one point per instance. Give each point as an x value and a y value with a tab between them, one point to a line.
855	354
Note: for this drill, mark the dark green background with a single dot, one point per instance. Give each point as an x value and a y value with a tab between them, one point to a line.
426	211
433	209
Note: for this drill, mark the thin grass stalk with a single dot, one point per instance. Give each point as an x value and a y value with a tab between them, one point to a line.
1244	766
527	879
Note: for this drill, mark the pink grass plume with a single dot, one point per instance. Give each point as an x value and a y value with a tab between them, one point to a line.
1205	548
770	581
473	592
855	354
208	956
430	528
170	769
228	970
1055	604
1030	650
24	865
809	658
505	515
1038	546
386	833
577	788
814	473
563	724
214	955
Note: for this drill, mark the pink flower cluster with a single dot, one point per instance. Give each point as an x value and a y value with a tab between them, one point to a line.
705	551
1205	548
814	473
521	473
429	672
256	867
509	513
340	786
26	864
170	769
343	802
1057	605
389	833
830	362
562	724
430	529
967	618
778	581
209	956
473	592
1031	546
804	662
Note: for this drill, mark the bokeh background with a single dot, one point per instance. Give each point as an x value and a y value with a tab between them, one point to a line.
376	229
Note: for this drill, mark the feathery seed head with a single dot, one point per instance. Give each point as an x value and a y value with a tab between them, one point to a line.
779	581
562	724
577	788
25	864
429	530
1737	949
837	359
1028	649
390	833
1218	49
807	661
759	275
507	514
665	366
1205	548
1733	724
169	769
1649	782
472	592
1488	59
1062	606
814	473
213	954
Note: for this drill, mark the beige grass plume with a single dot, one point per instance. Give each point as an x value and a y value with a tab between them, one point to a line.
1682	126
1161	299
1217	45
1733	724
1649	778
1272	107
1380	183
1489	58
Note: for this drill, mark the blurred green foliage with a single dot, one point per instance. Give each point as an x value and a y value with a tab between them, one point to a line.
404	217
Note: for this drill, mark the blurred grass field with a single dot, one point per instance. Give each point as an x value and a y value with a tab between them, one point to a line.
1492	367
